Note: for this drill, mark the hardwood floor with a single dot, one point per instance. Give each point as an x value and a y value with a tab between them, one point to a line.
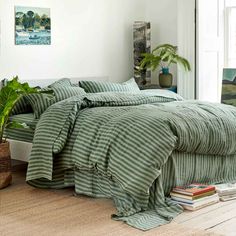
219	218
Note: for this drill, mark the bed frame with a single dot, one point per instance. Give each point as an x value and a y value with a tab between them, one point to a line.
21	150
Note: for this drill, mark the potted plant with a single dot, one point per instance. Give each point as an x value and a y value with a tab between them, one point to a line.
9	95
164	55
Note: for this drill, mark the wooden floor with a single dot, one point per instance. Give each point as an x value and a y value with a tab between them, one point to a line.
219	219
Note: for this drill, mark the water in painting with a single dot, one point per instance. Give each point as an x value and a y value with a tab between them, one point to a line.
32	26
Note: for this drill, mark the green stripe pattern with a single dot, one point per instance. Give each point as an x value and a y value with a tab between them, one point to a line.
65	82
162	93
22	106
22	134
97	87
41	101
127	147
180	169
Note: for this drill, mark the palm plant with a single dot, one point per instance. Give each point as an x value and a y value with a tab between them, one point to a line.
9	95
163	55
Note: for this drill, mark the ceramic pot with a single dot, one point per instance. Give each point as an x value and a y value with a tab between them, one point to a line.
5	165
165	78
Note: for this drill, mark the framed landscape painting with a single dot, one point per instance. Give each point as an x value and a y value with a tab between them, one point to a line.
32	26
229	87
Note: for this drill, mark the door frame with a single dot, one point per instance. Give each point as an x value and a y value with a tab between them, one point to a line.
186	25
221	18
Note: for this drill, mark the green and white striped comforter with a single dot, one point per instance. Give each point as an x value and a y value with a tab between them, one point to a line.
118	146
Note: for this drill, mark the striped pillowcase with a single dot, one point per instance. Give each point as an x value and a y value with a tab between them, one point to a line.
41	101
59	83
62	93
21	106
97	87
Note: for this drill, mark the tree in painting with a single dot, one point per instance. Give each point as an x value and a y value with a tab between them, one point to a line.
32	26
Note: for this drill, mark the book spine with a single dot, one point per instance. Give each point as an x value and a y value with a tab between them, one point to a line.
204	191
190	208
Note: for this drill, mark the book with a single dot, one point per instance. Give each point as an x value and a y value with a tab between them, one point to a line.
192	207
228	197
197	201
193	189
226	189
192	197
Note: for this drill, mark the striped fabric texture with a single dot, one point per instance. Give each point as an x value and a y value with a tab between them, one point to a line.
22	134
122	146
22	106
61	83
162	92
180	169
41	101
97	87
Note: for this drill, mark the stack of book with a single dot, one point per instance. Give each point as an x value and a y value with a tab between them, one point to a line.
226	191
195	196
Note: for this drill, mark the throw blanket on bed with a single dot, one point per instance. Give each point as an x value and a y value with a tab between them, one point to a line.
125	140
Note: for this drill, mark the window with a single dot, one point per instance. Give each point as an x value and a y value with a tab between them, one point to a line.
230	38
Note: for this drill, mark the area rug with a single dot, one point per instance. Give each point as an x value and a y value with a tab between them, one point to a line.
28	211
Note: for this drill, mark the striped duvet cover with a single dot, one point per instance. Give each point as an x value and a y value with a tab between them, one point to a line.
133	149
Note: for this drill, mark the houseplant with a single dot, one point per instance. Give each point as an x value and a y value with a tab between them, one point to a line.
9	95
163	56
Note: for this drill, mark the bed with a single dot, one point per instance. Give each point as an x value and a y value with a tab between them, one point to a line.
133	148
22	134
21	139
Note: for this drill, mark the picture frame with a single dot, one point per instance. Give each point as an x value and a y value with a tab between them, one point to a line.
32	26
229	86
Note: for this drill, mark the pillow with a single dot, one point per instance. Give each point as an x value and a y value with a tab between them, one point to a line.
21	106
41	101
75	84
62	93
97	87
62	82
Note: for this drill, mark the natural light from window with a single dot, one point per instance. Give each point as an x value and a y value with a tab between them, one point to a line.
231	37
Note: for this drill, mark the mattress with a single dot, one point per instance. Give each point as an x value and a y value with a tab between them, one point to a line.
22	134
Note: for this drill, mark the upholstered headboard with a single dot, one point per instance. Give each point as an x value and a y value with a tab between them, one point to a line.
45	82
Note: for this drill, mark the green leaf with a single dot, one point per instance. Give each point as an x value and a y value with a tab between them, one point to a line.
162	55
17	125
9	95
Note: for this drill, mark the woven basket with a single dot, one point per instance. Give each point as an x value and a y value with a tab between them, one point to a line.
5	165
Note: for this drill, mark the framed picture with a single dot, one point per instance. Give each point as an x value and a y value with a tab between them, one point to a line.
229	87
32	26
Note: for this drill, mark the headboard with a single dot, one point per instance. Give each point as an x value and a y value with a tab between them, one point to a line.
45	82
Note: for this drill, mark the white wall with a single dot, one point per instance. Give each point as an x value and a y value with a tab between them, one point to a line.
163	18
89	38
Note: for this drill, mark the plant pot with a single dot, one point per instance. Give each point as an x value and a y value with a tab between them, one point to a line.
5	165
165	80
